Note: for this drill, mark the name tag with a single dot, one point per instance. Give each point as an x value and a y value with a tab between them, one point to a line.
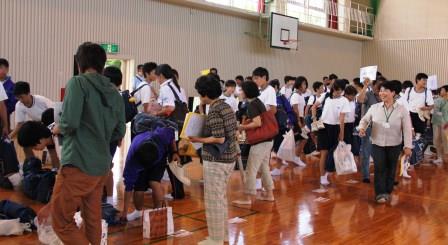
386	125
176	135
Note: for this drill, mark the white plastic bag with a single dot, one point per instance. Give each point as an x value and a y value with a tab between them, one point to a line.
104	227
9	227
46	234
404	165
287	149
344	160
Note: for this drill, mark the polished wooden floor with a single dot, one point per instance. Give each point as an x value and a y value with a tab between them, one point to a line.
417	214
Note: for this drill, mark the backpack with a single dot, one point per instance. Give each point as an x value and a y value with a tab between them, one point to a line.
417	152
285	114
180	110
144	122
39	186
11	101
8	158
32	165
130	107
109	214
12	210
426	95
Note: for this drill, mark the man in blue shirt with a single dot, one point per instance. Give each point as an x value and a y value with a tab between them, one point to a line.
144	167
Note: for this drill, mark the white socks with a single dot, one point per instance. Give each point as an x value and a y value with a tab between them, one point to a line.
110	200
134	215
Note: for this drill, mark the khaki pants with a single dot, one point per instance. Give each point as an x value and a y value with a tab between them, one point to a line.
74	189
440	140
216	178
258	161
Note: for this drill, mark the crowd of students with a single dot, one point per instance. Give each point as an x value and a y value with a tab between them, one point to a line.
379	118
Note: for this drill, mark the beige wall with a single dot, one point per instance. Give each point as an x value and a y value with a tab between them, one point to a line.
410	37
40	38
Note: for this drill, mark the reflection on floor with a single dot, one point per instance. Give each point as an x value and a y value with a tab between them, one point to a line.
417	214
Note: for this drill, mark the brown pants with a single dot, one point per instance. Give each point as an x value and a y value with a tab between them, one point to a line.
74	189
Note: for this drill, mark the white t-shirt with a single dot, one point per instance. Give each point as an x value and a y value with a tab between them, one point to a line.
333	108
231	101
33	113
402	101
183	96
350	116
238	90
136	81
313	99
307	93
143	95
268	97
299	100
166	96
3	95
417	100
287	92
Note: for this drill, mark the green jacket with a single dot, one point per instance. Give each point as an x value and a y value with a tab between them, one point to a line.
440	115
92	117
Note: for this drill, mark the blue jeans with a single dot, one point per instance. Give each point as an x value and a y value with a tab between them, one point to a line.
366	149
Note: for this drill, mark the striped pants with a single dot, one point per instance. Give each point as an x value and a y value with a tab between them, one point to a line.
216	177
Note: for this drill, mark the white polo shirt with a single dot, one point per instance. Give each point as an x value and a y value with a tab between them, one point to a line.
333	109
166	96
3	95
143	95
299	100
287	92
417	100
231	101
350	116
33	113
268	97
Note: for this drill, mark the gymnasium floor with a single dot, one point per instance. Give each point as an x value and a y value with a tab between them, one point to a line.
418	212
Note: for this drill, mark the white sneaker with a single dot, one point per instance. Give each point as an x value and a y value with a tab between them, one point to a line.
134	215
428	152
276	172
304	134
438	161
320	125
258	184
299	162
315	153
418	136
324	180
169	196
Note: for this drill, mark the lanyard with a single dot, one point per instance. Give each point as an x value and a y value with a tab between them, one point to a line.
385	113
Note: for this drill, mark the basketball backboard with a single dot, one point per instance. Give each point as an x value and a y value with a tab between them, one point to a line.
284	31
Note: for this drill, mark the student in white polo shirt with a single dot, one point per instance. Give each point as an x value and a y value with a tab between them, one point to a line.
228	95
28	108
288	88
144	94
420	103
138	78
298	105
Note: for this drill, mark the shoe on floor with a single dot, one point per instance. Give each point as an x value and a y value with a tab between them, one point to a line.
169	196
320	125
210	242
314	127
242	202
324	180
438	161
134	215
299	162
276	172
381	199
366	180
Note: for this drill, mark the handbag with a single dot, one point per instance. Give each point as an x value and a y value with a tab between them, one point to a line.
216	150
158	222
267	131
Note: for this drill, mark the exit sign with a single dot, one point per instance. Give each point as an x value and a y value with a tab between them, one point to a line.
110	48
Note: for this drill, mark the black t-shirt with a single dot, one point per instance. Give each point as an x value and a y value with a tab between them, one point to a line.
255	108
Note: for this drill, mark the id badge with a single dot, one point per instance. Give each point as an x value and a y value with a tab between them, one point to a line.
386	125
176	135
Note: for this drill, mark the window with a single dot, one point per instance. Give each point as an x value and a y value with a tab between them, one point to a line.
250	5
308	11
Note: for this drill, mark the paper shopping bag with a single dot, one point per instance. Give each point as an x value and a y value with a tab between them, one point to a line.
158	222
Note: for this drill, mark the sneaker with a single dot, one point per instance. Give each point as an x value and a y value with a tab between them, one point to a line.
134	215
324	180
428	152
304	135
276	172
169	196
315	153
320	125
305	129
381	199
438	161
299	162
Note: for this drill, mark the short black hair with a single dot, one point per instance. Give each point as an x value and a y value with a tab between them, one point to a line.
208	86
147	153
239	77
31	133
338	85
379	80
114	74
332	76
317	85
346	81
299	81
214	69
148	68
397	86
175	73
275	83
407	84
249	78
350	90
357	82
390	85
21	88
289	78
250	89
261	72
91	55
47	117
324	78
445	87
420	76
139	67
4	62
230	83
